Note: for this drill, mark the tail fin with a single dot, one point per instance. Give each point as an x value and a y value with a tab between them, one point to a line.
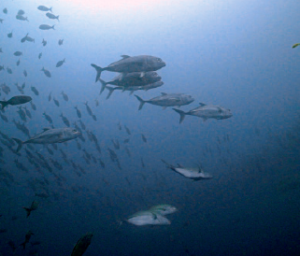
53	27
99	70
50	9
103	83
142	102
19	142
57	18
3	104
111	90
28	211
181	113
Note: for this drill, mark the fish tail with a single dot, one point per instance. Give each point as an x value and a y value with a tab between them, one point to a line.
28	211
57	18
142	102
111	90
103	85
181	113
99	70
19	142
50	9
53	27
3	104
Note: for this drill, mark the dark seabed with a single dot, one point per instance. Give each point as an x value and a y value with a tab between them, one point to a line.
229	54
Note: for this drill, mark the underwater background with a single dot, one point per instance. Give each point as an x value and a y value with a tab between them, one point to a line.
236	54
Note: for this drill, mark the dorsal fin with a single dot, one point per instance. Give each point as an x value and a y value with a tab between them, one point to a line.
125	56
202	104
163	93
46	129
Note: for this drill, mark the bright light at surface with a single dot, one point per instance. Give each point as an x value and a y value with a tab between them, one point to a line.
104	5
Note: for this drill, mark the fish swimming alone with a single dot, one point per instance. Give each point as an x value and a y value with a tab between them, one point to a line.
16	100
49	136
33	207
143	218
127	64
205	112
167	100
46	27
82	244
191	173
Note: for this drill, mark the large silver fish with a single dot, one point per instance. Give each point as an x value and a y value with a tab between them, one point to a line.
49	136
141	63
167	100
191	173
205	112
16	100
147	218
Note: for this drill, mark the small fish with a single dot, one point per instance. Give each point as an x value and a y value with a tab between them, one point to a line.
46	72
18	62
52	16
46	27
163	209
78	112
295	45
35	91
127	130
60	41
18	53
1	20
20	17
21	12
60	63
147	218
10	35
25	73
40	56
9	71
56	102
33	207
65	120
5	10
32	105
44	8
12	245
27	238
50	96
44	42
144	138
82	244
48	118
65	96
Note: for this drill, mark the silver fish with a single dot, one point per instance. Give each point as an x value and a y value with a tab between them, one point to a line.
46	27
52	16
44	8
49	136
167	100
206	112
127	64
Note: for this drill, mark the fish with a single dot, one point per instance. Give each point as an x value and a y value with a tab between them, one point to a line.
44	42
21	12
46	27
27	238
49	136
10	35
1	20
88	109
167	100
56	102
65	96
134	88
40	55
127	130
52	16
18	53
33	106
141	63
205	112
5	88
25	73
65	120
35	91
34	206
16	100
60	63
163	209
144	138
9	71
12	245
82	244
46	72
50	96
132	79
147	218
1	68
27	112
28	39
18	62
44	8
5	10
20	17
191	173
60	41
295	45
78	112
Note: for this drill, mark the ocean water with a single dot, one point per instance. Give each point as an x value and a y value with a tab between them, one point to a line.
235	54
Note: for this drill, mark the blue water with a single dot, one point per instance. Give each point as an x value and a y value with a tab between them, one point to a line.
236	54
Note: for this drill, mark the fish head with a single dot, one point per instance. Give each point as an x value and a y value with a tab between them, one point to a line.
71	133
156	63
189	99
226	113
